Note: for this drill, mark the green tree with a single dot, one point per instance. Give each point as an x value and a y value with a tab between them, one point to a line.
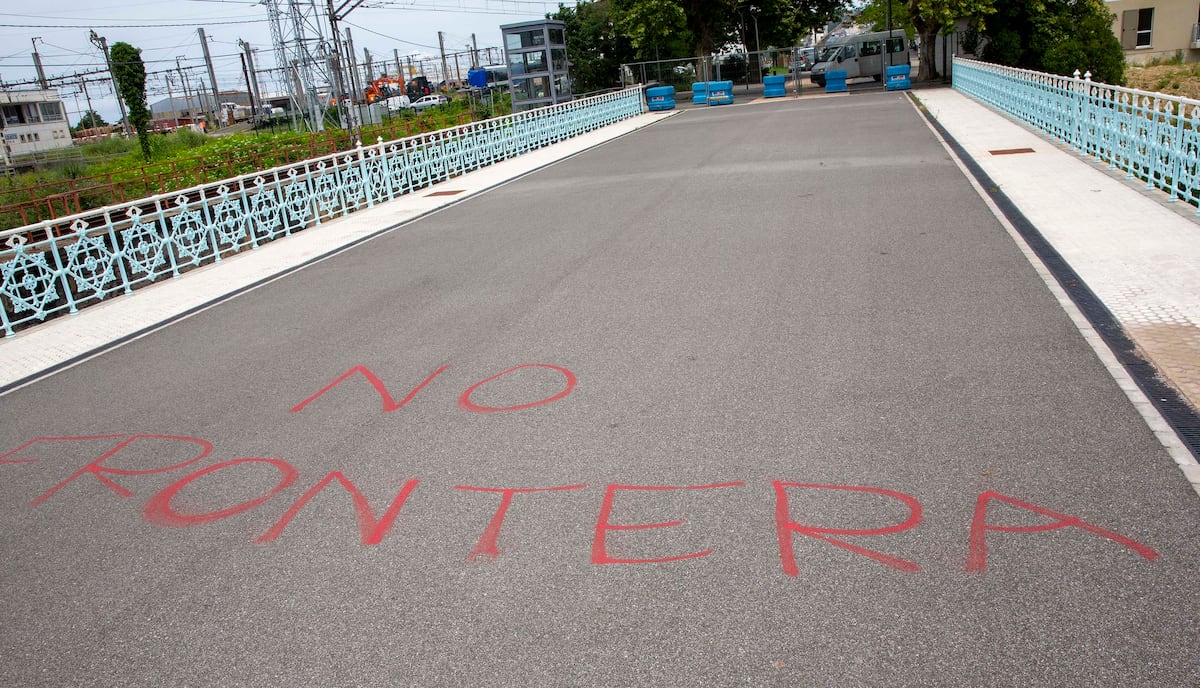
1056	36
596	48
931	16
808	15
709	24
654	27
90	120
130	74
712	23
875	15
926	18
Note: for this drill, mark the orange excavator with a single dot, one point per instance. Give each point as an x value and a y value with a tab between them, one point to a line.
383	88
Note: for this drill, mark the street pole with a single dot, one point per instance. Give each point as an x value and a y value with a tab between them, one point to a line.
336	61
352	65
102	43
187	90
212	75
253	76
171	96
888	47
249	88
37	62
298	88
442	50
88	97
474	53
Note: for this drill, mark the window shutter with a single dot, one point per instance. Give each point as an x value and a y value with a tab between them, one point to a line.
1129	27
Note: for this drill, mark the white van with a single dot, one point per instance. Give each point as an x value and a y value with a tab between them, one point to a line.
865	54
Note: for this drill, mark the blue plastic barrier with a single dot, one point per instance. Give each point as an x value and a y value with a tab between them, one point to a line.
477	78
660	98
720	92
898	78
835	81
700	93
775	86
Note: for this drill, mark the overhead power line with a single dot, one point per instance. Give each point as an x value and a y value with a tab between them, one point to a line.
48	16
128	26
390	38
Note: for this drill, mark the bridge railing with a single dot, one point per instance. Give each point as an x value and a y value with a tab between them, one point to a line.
1150	136
59	266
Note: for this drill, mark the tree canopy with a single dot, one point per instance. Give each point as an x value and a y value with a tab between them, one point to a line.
931	16
130	74
90	120
1056	36
595	47
666	29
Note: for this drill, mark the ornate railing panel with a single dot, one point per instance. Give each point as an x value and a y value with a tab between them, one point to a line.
1151	136
59	266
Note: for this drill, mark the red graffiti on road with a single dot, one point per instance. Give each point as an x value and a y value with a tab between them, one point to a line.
390	403
164	507
487	548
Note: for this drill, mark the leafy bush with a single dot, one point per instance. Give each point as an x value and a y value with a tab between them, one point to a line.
189	138
73	169
114	145
1057	36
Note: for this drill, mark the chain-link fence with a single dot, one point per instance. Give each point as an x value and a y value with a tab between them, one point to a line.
743	69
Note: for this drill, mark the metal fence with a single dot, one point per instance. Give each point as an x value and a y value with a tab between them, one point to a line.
58	266
743	69
1151	136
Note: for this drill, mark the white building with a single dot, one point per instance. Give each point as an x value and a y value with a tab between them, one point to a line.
33	121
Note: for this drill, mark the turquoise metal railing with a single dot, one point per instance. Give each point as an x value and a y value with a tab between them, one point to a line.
59	266
1151	136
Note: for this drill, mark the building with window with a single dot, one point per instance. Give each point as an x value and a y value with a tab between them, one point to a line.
1161	29
536	54
33	121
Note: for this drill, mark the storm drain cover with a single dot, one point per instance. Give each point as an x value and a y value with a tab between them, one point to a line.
1011	151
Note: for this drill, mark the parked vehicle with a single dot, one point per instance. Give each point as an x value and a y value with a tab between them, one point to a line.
864	54
418	86
397	103
426	102
805	58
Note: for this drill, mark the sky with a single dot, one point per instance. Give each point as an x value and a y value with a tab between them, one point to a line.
167	30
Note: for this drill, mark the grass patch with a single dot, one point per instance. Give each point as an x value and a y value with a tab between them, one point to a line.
1171	79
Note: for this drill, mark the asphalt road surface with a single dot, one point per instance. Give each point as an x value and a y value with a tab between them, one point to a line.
881	453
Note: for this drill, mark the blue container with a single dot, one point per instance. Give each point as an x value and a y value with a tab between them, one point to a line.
835	82
700	93
775	86
898	78
477	78
720	92
660	98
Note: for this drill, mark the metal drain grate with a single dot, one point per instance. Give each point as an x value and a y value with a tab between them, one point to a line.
444	193
1011	151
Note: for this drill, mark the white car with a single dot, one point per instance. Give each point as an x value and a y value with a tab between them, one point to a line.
432	100
397	103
